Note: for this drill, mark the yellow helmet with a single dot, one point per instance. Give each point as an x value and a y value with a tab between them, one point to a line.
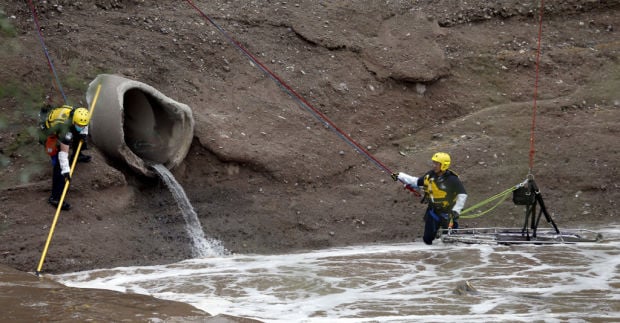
443	159
81	117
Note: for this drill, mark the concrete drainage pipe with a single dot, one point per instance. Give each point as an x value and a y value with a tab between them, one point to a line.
136	125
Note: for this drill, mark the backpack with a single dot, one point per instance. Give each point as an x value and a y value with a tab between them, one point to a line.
48	118
58	115
523	195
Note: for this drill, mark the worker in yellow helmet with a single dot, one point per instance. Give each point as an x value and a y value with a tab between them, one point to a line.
444	193
62	128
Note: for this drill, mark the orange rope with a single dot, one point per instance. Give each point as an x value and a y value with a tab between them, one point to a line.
532	150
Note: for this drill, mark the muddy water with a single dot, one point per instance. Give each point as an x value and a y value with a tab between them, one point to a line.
25	297
392	283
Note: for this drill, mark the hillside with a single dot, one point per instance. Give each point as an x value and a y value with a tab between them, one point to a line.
404	79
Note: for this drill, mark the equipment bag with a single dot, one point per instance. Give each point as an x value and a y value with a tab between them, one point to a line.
51	145
523	196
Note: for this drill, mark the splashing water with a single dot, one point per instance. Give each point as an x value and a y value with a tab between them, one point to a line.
201	246
391	283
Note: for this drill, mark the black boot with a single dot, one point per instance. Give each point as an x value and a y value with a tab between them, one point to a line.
54	202
82	158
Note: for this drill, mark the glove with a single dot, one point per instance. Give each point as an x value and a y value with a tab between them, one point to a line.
84	134
394	176
63	159
67	176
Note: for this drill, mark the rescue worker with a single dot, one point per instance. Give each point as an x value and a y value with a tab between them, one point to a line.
64	127
444	193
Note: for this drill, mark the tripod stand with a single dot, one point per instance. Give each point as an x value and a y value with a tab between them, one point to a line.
530	196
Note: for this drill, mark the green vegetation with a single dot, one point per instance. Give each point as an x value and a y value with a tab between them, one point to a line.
19	125
75	78
8	89
29	97
20	103
6	29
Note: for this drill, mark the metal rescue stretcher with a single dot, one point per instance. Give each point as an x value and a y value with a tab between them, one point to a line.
529	196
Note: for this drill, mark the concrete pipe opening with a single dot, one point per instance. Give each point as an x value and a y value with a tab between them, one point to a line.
136	125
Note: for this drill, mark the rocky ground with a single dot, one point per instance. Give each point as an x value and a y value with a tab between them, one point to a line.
404	79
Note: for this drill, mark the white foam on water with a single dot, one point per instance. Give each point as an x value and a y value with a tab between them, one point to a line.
390	283
201	246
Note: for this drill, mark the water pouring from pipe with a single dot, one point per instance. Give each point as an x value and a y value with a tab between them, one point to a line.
139	127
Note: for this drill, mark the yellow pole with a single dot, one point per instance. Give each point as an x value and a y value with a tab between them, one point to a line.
64	191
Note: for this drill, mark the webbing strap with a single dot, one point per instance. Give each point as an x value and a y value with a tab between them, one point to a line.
503	195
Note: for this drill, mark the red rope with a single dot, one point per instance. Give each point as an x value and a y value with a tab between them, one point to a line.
46	52
532	149
300	99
